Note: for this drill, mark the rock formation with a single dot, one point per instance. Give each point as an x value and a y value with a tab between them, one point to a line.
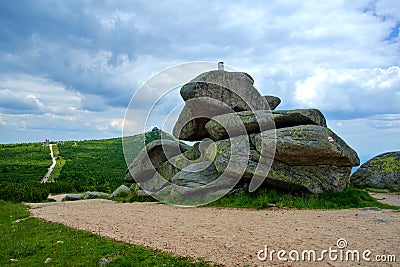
241	136
382	171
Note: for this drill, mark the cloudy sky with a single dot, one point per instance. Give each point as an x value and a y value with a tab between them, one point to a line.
68	69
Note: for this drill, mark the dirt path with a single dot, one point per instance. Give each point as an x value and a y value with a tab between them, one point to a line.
53	164
233	237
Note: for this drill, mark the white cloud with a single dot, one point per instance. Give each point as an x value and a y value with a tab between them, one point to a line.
342	57
360	91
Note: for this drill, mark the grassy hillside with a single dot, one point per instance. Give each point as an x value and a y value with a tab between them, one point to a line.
23	162
81	165
92	165
100	164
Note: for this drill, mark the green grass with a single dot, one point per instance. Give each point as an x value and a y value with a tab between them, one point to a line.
20	163
93	164
60	162
349	198
31	241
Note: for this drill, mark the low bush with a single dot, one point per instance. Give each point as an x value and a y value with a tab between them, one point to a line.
26	192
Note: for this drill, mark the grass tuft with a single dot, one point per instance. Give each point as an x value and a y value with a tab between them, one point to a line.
349	198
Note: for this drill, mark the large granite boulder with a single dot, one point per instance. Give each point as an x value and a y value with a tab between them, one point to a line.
233	124
214	93
295	117
306	145
196	174
382	171
311	178
151	157
303	159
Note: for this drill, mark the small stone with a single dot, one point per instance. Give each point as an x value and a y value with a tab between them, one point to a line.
103	261
381	220
359	214
229	245
47	260
371	208
327	234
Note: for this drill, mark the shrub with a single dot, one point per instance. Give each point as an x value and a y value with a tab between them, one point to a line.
27	192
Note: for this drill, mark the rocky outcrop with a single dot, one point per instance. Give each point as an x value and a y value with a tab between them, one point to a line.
382	171
242	140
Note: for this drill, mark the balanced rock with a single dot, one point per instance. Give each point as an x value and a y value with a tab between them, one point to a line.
382	171
214	93
151	157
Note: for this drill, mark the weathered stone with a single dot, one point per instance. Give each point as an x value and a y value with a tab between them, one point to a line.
289	118
254	122
95	194
122	190
306	145
155	184
171	167
214	93
240	123
196	174
73	197
315	179
232	88
273	101
382	171
151	157
237	165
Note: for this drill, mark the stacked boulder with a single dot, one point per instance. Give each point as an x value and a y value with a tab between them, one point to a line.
231	121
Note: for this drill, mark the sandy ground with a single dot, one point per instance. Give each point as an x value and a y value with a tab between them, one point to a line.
391	199
233	237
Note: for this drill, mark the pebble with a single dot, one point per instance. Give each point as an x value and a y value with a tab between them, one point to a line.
360	214
103	261
229	245
381	220
371	208
47	260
